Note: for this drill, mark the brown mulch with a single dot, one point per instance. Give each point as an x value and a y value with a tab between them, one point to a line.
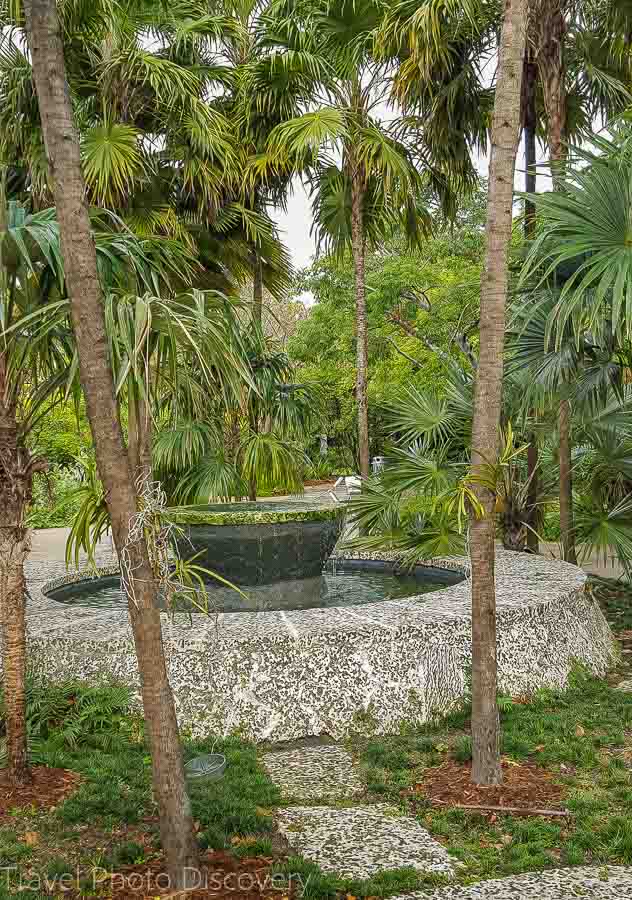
47	788
220	876
525	787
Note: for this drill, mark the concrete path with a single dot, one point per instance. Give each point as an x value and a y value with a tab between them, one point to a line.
49	545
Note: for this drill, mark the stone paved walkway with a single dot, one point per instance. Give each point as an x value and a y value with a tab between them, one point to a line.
359	841
597	883
314	773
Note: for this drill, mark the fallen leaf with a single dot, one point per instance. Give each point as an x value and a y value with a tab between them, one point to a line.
31	838
579	731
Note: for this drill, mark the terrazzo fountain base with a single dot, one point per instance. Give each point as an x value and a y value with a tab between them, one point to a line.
372	669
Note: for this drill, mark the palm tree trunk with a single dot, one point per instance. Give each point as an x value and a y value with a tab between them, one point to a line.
86	305
505	133
567	531
252	481
550	34
529	114
139	440
15	491
358	245
257	290
550	56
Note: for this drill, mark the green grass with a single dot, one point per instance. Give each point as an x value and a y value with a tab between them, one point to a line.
314	884
575	735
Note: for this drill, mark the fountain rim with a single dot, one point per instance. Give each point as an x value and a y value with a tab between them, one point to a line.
522	581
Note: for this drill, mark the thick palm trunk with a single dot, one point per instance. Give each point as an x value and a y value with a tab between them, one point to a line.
551	34
357	246
487	396
529	113
15	490
86	304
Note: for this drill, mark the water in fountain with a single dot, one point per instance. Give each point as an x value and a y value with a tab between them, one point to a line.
348	584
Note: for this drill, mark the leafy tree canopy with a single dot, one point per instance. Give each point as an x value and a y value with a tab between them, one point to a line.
444	275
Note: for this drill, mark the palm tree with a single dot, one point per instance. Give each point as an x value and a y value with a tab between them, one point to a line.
160	134
260	96
37	340
589	368
577	53
267	413
362	171
487	394
439	49
88	320
29	269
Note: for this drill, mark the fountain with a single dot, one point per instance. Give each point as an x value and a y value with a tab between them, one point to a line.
259	543
278	555
374	654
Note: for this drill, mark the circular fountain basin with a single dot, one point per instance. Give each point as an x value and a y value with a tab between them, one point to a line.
262	542
374	668
348	583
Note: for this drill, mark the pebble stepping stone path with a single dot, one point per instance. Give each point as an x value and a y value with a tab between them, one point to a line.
359	841
596	883
314	773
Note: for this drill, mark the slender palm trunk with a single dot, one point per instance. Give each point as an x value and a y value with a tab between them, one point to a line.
257	290
551	35
139	440
15	492
566	483
252	481
86	305
529	113
505	133
358	245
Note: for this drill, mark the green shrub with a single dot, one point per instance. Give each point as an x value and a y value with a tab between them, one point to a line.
54	504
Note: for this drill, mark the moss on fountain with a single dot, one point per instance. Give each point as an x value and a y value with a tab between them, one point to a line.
259	513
